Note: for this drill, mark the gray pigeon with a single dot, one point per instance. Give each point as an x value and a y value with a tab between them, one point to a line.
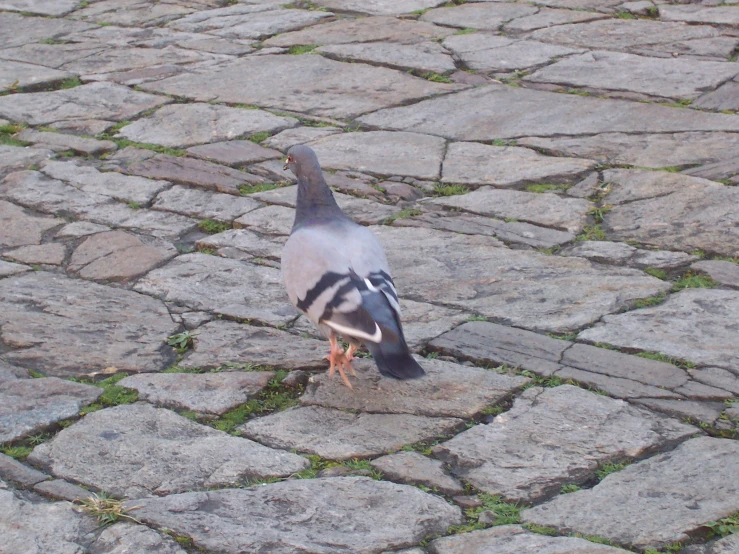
336	274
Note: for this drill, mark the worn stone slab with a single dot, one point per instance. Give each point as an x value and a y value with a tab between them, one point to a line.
227	287
618	71
672	495
104	327
415	469
9	372
183	125
299	135
80	229
16	158
62	490
207	393
555	436
383	153
568	214
16	29
693	324
224	342
423	57
514	539
52	55
726	273
514	232
699	391
13	470
380	7
448	389
487	52
18	75
136	450
723	98
9	268
136	13
269	220
511	112
365	29
620	253
703	412
42	7
719	15
423	321
104	101
724	169
243	244
727	545
21	228
60	141
235	153
273	516
663	150
328	88
31	405
483	15
203	204
547	17
50	253
129	537
617	387
630	185
339	435
717	377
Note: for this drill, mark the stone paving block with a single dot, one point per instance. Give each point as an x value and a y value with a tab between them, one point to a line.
448	389
423	321
269	220
96	331
547	17
700	391
484	15
242	244
62	490
721	15
670	496
16	29
618	387
416	469
206	393
80	229
726	273
13	470
380	7
339	435
555	436
620	253
122	538
19	75
424	57
41	7
9	268
299	135
727	545
137	450
717	377
235	153
328	88
50	253
704	412
222	342
21	228
16	158
136	14
203	204
723	98
183	125
514	539
60	141
273	516
693	324
103	101
8	372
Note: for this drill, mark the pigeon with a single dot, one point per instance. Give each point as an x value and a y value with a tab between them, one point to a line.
336	273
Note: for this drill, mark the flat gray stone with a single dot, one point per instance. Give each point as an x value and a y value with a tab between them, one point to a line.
122	538
382	153
16	158
555	436
135	14
483	15
619	253
52	55
527	289
60	141
547	17
511	112
693	324
423	321
235	153
727	545
50	253
269	220
567	214
18	75
415	469
328	88
703	412
183	125
204	204
480	164
42	7
726	273
10	372
339	435
103	101
424	57
16	29
209	283
206	393
364	29
224	342
663	77
242	244
448	389
617	387
699	391
487	52
724	169
80	229
720	15
273	517
62	490
723	98
31	405
9	268
137	450
95	332
674	495
299	135
514	539
380	7
21	228
717	377
13	470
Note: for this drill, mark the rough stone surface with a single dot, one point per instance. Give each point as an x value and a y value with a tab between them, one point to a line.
123	538
43	7
694	324
424	57
182	125
207	393
16	158
619	253
13	470
723	15
416	469
727	545
203	204
671	495
448	389
25	75
136	450
339	435
328	88
299	135
50	253
483	15
80	229
60	141
242	244
717	377
269	220
96	331
21	228
547	17
723	98
273	516
380	7
702	412
726	273
235	153
559	440
62	490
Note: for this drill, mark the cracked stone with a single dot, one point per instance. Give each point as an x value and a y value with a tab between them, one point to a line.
204	204
13	470
674	494
80	229
727	545
8	268
424	57
704	412
235	153
62	490
723	98
415	469
617	387
123	538
547	17
699	391
20	228
19	75
555	436
183	125
17	158
60	141
135	13
269	220
721	15
16	29
177	453
242	244
273	517
299	135
380	7
31	405
726	273
339	435
717	377
448	389
104	327
423	321
486	15
619	253
328	88
51	253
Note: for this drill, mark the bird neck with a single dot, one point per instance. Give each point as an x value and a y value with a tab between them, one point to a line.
315	201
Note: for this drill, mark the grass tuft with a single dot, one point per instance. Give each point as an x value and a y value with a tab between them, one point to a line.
505	513
723	527
260	187
259	137
694	280
650	301
658	273
301	49
593	232
449	190
545	188
606	469
318	464
113	395
182	341
7	132
467	31
436	78
19	452
72	82
658	356
105	509
403	214
213	227
566	489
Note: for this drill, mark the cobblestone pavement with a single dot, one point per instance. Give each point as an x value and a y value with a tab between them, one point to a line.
556	184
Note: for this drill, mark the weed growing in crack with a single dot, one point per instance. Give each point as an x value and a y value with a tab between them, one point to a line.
541	529
260	187
599	213
650	301
105	509
213	227
182	341
436	78
113	395
658	273
540	381
694	281
563	336
539	188
403	214
441	189
7	132
466	31
726	526
17	451
685	364
592	232
476	318
566	489
259	137
503	513
606	469
302	49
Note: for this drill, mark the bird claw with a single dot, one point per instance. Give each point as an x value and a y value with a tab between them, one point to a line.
338	360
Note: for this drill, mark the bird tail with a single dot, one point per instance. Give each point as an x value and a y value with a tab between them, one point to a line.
394	360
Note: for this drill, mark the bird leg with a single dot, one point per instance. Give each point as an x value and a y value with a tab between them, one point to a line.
338	360
349	355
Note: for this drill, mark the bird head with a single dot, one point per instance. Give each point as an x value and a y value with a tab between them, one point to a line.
302	161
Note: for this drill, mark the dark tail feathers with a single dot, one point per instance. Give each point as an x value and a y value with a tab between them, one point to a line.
394	360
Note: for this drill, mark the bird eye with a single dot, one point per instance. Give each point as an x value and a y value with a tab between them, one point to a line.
289	159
